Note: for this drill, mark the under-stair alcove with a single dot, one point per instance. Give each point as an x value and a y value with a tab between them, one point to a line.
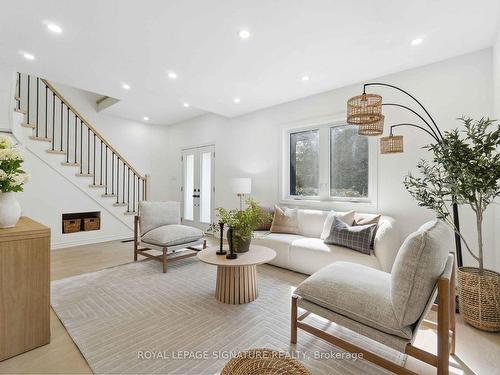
81	222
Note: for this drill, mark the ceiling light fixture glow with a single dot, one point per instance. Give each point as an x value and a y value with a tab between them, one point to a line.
186	105
145	118
244	34
417	41
305	78
28	56
54	28
236	100
172	75
125	86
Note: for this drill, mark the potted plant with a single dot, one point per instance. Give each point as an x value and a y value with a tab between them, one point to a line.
466	167
241	223
12	179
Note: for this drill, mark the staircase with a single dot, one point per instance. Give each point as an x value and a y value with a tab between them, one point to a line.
54	122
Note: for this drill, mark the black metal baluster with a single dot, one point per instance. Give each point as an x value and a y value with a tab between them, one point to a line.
53	120
62	110
100	169
117	179
143	190
46	114
93	170
37	89
28	119
67	135
123	191
112	173
128	190
106	171
133	195
76	138
138	191
88	150
81	146
19	90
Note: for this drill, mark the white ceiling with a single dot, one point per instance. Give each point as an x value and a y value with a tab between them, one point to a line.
105	43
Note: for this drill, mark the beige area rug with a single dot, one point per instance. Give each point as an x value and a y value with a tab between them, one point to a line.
135	319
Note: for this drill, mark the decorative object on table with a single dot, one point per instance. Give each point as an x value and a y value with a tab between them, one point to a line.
264	362
221	250
242	223
241	187
12	179
365	110
266	224
232	254
466	166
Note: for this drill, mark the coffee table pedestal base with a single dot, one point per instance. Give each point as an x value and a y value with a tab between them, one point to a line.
236	285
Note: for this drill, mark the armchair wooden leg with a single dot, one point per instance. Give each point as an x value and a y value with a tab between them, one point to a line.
452	311
164	260
136	227
293	333
443	333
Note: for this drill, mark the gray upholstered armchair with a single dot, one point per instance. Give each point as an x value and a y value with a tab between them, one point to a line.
388	308
158	227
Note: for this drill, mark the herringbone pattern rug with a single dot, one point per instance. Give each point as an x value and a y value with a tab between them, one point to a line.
135	319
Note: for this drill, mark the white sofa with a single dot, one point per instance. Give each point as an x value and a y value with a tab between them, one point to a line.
307	253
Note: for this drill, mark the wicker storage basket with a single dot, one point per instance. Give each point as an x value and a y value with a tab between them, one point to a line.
72	225
264	362
91	223
479	298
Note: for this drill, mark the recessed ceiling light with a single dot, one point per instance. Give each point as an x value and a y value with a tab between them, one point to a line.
244	34
186	105
28	56
236	100
172	75
305	78
145	118
54	28
125	86
416	41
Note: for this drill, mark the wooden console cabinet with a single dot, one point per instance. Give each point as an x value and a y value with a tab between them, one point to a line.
24	287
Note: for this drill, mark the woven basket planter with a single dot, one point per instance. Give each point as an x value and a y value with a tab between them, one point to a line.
479	298
264	362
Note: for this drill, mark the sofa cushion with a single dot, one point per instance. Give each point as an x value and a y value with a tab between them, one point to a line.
375	219
279	242
155	214
285	221
172	235
358	292
419	263
308	255
311	222
346	217
358	238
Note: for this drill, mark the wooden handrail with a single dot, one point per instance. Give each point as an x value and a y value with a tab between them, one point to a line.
94	130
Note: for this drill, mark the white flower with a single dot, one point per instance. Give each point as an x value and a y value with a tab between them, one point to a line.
10	154
18	179
5	142
3	175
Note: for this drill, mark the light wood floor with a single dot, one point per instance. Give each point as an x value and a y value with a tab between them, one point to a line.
479	350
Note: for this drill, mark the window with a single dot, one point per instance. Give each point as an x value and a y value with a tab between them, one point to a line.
348	162
329	162
304	163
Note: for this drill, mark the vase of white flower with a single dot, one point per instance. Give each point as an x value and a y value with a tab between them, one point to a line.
12	179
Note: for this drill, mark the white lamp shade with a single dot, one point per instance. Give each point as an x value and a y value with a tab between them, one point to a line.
241	185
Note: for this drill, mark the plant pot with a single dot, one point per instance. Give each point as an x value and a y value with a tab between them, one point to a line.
242	247
479	298
10	210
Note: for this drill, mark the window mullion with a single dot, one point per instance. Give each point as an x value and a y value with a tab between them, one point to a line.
324	163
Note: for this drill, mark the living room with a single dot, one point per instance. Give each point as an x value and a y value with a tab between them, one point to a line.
127	146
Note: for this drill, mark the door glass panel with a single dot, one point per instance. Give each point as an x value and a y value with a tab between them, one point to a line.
188	187
206	187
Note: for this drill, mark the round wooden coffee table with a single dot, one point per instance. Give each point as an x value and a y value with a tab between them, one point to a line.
237	278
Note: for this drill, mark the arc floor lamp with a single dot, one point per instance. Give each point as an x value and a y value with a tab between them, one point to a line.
365	110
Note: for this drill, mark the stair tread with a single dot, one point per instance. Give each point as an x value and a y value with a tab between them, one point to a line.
70	164
44	139
119	204
20	111
130	213
84	175
97	186
56	152
108	195
26	125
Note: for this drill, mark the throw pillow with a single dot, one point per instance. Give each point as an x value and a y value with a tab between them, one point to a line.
285	221
357	238
366	221
266	225
346	217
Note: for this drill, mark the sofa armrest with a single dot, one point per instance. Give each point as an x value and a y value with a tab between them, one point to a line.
387	243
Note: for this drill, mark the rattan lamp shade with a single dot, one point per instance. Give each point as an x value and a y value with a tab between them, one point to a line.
364	109
376	128
392	144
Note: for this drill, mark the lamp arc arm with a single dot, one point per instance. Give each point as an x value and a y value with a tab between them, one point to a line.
415	126
436	136
408	94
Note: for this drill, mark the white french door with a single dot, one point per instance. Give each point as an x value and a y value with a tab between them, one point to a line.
198	186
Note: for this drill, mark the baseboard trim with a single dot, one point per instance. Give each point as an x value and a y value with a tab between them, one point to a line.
90	241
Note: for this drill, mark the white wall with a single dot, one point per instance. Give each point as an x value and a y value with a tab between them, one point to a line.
7	88
496	108
250	145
